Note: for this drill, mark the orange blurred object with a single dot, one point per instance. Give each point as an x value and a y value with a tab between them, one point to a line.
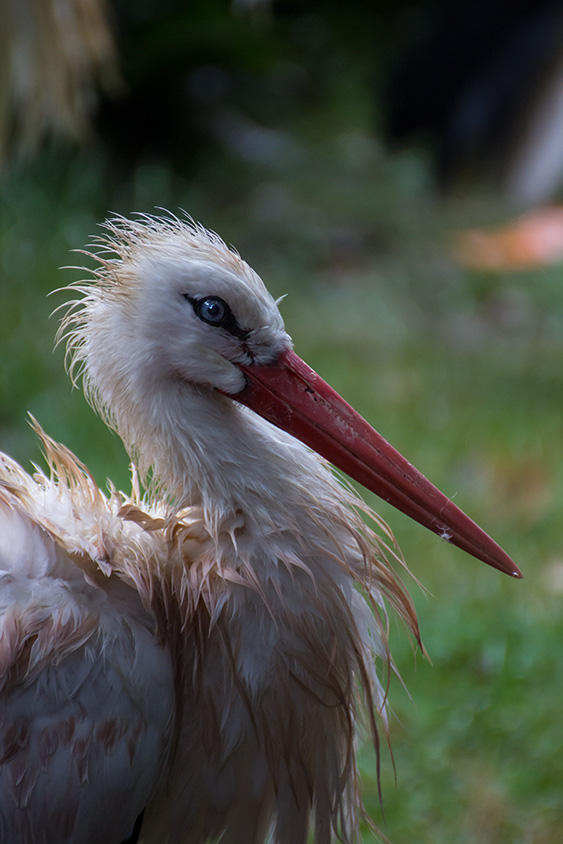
531	240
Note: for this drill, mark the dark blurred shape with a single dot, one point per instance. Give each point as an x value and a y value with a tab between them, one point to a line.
197	77
134	837
201	75
483	83
54	57
190	73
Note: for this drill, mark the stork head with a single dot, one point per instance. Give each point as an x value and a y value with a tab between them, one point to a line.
174	297
171	305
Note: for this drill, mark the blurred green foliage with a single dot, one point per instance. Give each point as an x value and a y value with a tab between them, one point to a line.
460	370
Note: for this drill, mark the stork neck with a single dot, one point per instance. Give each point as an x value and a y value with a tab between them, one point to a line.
209	451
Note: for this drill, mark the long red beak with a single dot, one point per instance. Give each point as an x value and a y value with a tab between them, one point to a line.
292	396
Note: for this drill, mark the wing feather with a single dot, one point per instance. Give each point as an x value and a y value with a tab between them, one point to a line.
87	697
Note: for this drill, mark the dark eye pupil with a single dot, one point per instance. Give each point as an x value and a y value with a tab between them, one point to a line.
212	310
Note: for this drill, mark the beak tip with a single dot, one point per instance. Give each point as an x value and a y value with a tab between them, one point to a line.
507	566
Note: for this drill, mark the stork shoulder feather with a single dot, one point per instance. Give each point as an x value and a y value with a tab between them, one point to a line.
86	691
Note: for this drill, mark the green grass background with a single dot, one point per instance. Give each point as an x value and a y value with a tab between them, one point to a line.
460	370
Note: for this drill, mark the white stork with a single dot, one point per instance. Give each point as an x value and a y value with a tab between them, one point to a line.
189	666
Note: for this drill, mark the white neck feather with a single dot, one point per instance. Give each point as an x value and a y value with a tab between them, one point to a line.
206	450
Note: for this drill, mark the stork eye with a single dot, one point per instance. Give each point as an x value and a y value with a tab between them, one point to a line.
213	310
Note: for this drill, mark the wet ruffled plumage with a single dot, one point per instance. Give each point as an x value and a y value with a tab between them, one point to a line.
247	564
